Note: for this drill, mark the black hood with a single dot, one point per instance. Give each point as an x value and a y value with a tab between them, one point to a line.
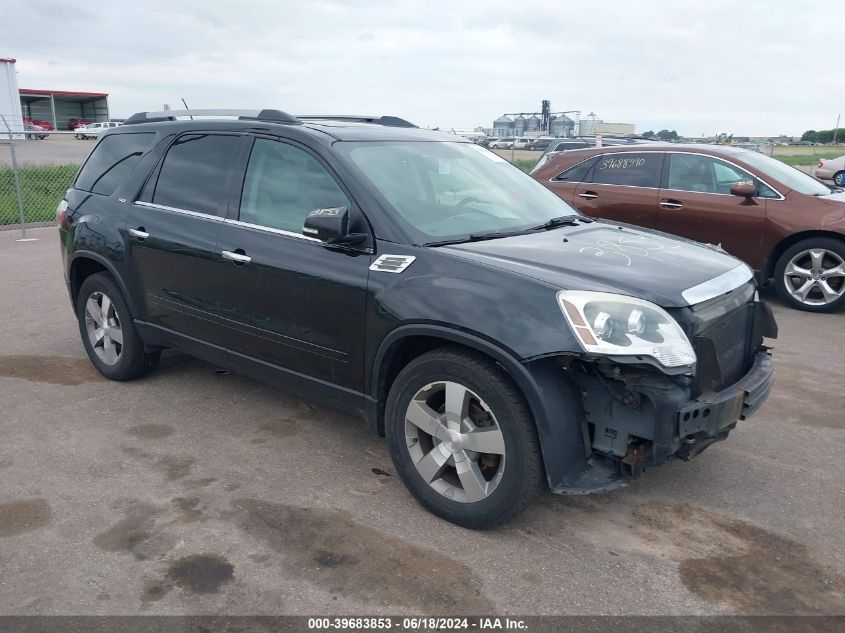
610	258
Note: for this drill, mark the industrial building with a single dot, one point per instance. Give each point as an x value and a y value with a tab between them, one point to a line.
59	108
548	123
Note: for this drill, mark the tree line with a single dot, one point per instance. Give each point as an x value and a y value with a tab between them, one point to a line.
824	136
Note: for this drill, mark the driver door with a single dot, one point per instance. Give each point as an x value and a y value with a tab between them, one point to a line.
294	304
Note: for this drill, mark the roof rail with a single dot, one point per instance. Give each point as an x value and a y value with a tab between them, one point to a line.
390	121
275	116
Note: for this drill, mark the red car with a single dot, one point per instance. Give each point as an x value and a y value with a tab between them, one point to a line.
786	225
44	125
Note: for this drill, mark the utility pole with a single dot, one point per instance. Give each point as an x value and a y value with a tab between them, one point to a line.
836	129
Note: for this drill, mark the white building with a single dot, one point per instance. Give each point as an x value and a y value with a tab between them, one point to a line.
10	101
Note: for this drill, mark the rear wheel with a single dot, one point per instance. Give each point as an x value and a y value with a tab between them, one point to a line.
108	331
462	438
810	275
839	179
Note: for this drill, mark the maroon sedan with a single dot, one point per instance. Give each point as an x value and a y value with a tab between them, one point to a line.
786	225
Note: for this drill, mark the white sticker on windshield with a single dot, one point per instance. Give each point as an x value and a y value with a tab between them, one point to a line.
488	154
444	167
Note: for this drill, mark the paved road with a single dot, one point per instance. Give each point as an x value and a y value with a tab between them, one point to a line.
54	150
195	492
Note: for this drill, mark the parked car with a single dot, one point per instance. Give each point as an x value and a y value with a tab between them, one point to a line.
502	341
786	225
567	144
38	123
832	169
541	143
34	132
72	124
93	130
521	143
502	143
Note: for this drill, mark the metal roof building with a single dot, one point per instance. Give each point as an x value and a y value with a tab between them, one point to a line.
60	107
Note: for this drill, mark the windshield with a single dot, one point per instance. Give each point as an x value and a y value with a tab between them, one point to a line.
793	178
448	190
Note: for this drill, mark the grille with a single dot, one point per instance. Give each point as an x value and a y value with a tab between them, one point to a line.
730	343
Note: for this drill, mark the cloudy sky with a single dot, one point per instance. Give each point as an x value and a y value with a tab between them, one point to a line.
750	67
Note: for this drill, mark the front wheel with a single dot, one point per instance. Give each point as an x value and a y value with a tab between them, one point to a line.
810	275
108	331
462	438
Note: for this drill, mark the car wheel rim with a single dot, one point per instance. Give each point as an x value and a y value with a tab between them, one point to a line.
455	442
103	327
839	180
815	277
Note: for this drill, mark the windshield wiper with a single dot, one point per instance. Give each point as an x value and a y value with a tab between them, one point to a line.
478	237
564	220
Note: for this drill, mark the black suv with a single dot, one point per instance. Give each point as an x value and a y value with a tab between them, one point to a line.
500	340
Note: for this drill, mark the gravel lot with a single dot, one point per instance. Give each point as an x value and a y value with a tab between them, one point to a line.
192	491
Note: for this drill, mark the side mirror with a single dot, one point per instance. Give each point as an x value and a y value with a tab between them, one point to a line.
744	190
331	226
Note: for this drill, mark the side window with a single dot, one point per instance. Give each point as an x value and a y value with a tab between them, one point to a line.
704	174
282	184
576	173
194	174
111	161
629	168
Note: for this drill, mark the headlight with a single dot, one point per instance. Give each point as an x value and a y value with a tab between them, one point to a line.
617	325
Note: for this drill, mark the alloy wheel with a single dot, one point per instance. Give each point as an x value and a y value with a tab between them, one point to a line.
455	441
103	327
815	277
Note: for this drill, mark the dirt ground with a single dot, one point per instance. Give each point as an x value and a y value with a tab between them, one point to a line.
193	491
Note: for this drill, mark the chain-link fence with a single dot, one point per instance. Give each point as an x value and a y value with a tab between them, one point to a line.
35	171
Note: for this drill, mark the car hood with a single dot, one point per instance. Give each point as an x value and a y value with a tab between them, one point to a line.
668	271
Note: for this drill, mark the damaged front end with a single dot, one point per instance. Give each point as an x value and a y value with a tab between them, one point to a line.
634	413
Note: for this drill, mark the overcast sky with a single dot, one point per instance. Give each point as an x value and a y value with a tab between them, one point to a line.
752	68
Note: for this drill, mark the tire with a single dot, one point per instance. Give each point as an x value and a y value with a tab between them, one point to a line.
117	351
810	275
839	179
498	486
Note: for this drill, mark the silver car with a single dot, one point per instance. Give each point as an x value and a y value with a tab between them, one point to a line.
831	169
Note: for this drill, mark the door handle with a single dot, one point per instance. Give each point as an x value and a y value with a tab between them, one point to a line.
238	258
671	204
589	195
140	233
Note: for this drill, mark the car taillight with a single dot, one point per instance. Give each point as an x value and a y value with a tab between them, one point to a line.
821	163
61	214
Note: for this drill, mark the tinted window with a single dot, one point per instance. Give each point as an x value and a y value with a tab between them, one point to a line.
194	174
111	161
578	172
690	172
283	183
634	170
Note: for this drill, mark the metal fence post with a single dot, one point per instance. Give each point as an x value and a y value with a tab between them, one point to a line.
17	179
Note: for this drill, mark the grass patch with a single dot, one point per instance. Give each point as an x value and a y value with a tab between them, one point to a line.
808	159
525	164
42	187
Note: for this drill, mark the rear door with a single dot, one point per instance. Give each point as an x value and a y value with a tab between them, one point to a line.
695	202
622	187
295	304
172	231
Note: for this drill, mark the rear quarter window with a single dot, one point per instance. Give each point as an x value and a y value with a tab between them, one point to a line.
111	161
576	173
